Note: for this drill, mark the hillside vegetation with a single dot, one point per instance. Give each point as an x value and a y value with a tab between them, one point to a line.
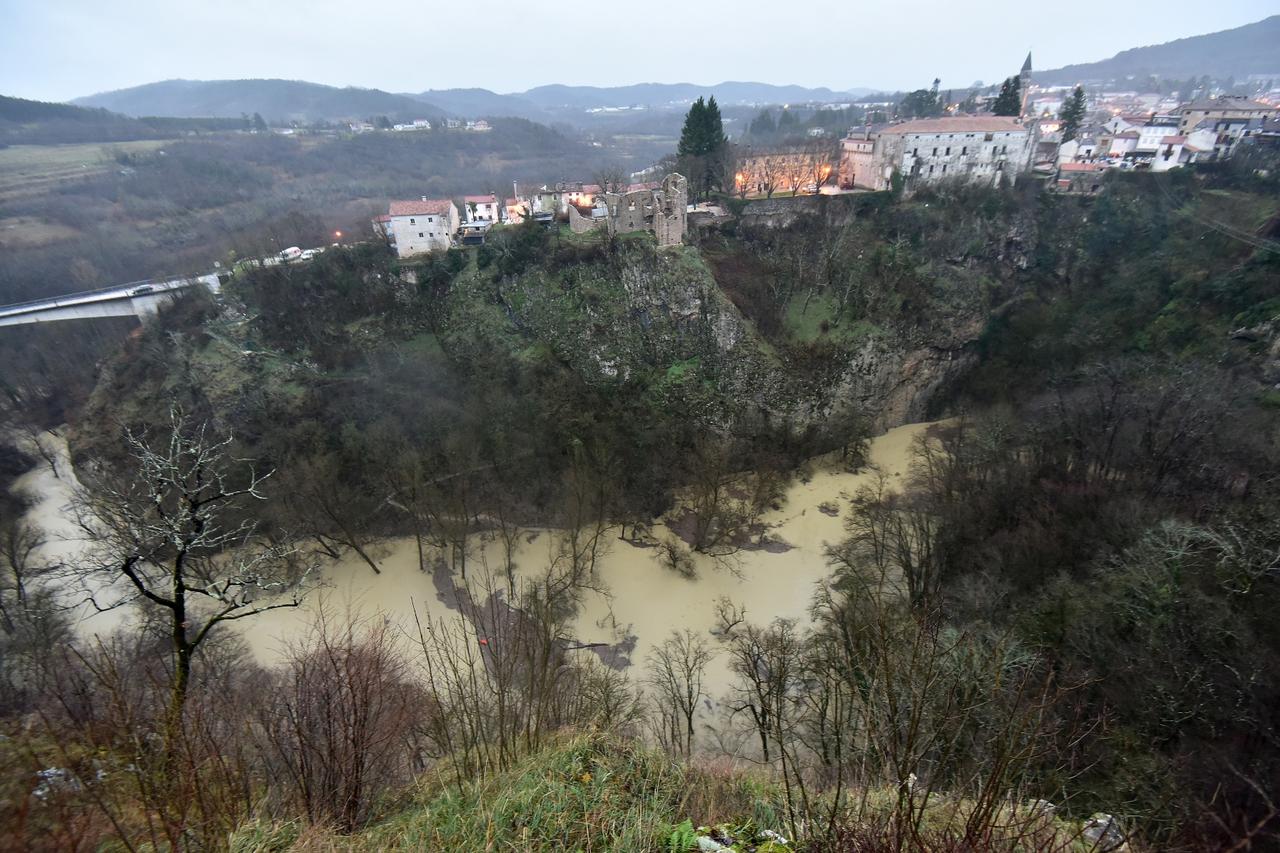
1064	609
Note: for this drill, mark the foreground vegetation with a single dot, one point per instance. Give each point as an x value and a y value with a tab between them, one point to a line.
1067	602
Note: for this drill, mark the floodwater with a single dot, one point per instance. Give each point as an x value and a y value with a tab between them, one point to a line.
638	603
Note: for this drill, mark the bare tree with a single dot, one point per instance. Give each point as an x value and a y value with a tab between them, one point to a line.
342	723
676	671
612	178
172	532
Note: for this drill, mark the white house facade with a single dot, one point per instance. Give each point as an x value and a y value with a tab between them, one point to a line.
427	225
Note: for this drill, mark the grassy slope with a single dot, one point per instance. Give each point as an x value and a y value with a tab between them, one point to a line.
590	792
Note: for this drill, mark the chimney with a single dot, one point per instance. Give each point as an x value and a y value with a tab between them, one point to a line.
424	198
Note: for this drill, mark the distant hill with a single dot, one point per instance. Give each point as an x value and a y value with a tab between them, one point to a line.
294	100
1251	49
40	123
275	100
482	102
659	94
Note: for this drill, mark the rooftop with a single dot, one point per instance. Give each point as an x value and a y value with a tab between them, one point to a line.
1226	102
421	207
958	124
489	198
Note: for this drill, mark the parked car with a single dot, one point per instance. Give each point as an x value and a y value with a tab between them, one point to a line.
308	254
292	253
139	291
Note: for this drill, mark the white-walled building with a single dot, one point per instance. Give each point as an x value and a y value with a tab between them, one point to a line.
427	225
481	208
981	149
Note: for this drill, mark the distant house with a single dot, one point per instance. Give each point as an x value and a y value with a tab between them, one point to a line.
481	208
426	225
1227	107
516	210
479	126
1079	178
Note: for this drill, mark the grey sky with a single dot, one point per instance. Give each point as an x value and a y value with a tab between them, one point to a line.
60	49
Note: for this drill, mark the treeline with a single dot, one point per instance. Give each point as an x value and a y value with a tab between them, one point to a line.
24	122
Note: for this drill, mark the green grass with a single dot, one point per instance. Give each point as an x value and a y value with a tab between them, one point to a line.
805	322
586	792
27	169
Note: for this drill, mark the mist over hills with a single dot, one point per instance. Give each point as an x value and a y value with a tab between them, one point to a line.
1240	52
275	100
292	100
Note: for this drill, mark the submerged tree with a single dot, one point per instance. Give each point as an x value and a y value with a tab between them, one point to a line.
176	535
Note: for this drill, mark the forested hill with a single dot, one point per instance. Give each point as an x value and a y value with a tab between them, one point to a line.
1240	52
274	100
40	123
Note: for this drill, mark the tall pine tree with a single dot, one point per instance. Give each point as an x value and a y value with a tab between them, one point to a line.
1009	101
702	145
691	135
1072	114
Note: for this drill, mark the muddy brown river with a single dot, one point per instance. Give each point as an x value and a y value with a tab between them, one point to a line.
638	603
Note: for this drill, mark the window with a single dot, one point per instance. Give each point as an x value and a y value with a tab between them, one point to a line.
930	170
412	221
944	170
964	149
420	234
935	152
948	150
987	137
1004	149
915	152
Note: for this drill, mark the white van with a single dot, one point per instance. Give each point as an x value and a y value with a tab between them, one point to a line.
291	254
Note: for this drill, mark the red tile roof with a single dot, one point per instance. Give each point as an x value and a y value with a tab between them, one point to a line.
481	199
383	218
958	124
422	207
1080	167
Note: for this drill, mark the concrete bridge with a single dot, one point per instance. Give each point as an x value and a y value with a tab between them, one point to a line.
138	298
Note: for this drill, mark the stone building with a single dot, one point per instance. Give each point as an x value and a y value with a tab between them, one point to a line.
662	211
979	149
1227	108
415	227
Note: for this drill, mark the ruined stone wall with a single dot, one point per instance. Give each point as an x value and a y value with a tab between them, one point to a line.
580	224
631	211
670	210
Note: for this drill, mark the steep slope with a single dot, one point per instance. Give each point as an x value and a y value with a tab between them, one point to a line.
275	100
1251	49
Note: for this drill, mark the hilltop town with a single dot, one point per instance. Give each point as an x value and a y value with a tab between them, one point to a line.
1065	136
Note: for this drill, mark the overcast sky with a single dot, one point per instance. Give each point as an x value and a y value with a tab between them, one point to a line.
61	49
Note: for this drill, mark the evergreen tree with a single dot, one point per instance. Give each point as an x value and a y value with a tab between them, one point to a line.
692	134
1009	101
702	145
1072	114
763	125
259	122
